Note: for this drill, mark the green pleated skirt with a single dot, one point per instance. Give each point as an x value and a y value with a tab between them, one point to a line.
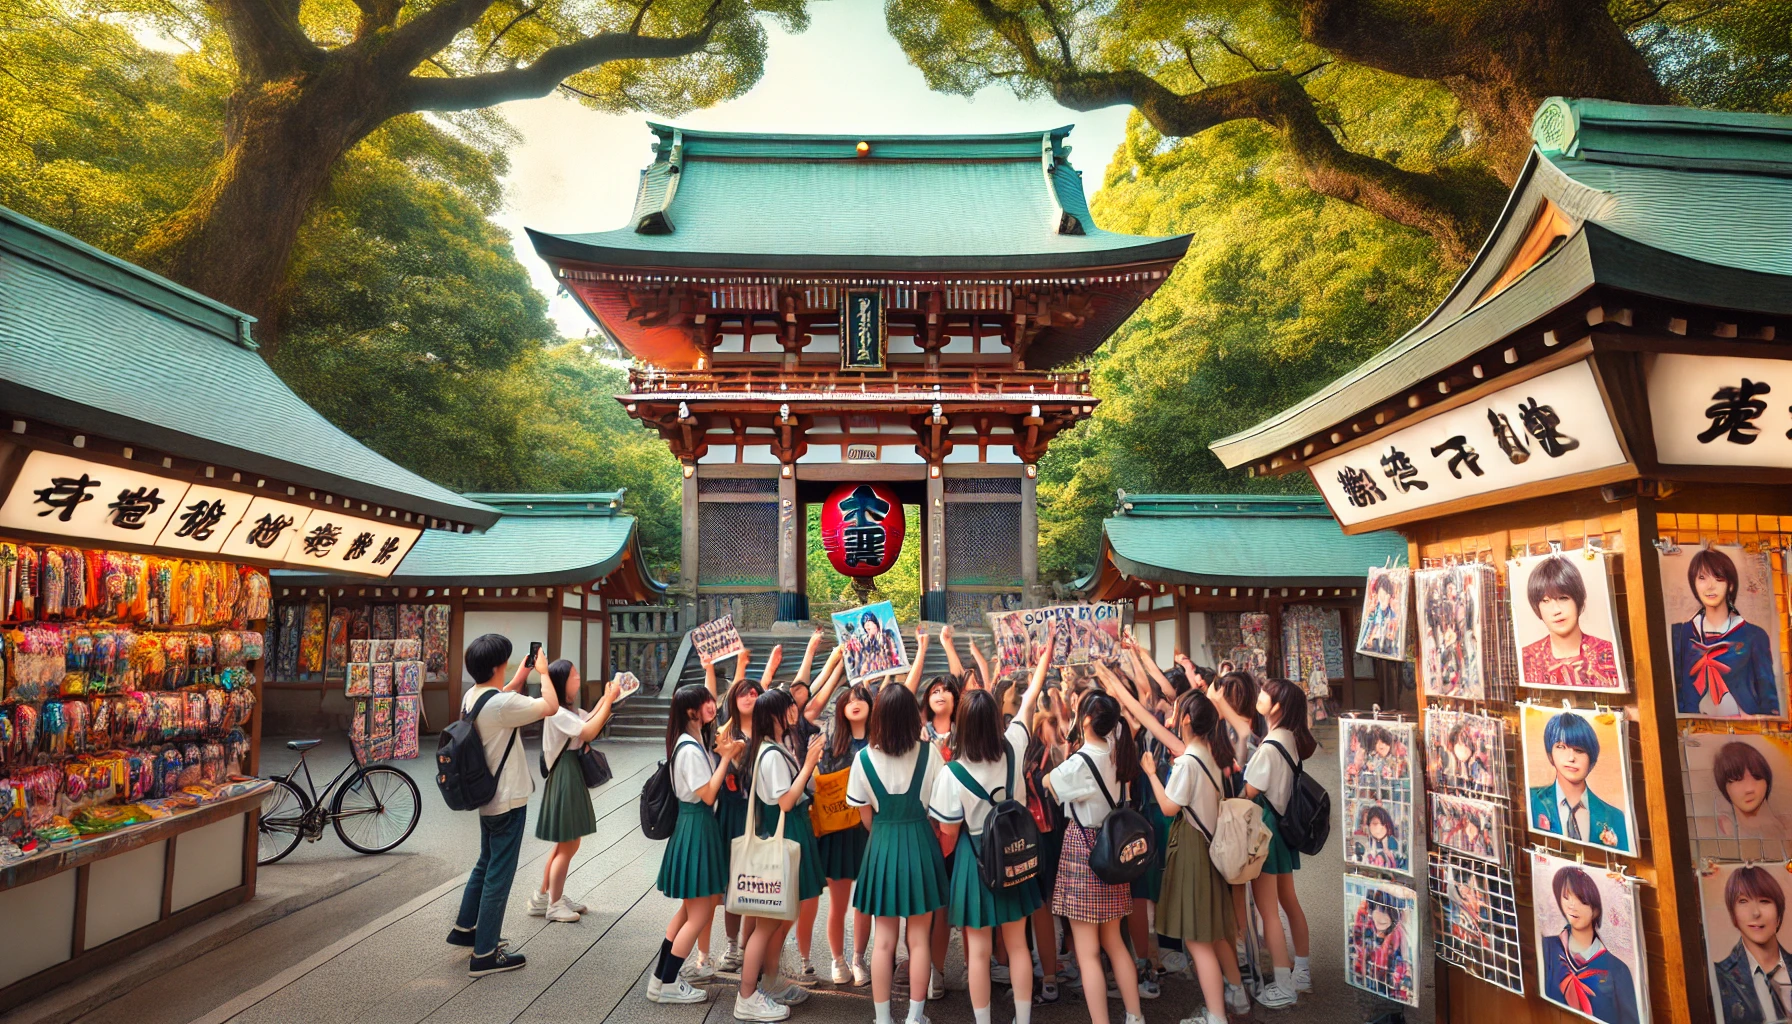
1282	859
903	873
1196	903
695	863
1149	886
809	880
842	852
973	905
731	815
565	804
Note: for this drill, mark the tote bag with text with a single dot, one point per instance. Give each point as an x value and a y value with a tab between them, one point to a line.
762	873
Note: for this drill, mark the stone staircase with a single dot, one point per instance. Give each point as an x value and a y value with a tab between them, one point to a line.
644	718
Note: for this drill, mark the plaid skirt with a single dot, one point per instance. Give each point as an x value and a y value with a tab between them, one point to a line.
1079	895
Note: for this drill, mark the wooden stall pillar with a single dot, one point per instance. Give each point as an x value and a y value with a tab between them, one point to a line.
1029	537
687	549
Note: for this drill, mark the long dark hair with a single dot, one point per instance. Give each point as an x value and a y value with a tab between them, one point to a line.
687	700
768	719
1100	717
926	696
978	729
729	709
1240	693
843	728
1205	722
1293	702
558	673
895	725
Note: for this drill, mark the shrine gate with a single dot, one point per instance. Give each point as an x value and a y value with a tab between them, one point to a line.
972	278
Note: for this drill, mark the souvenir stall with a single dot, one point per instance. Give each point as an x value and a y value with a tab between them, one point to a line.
1588	450
1268	582
139	516
548	571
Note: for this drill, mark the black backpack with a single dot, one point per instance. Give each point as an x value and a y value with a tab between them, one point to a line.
659	802
466	781
1126	845
1306	823
1008	854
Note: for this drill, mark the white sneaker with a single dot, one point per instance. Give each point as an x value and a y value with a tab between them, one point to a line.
1274	997
936	985
923	1019
538	904
561	912
805	974
1175	962
681	992
654	988
861	975
698	968
840	975
731	959
1238	1000
577	907
785	992
1133	1018
758	1007
1303	979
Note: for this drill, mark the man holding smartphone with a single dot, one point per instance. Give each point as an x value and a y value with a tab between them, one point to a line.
501	821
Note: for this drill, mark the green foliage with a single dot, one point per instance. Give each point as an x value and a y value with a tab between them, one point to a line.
1732	54
831	592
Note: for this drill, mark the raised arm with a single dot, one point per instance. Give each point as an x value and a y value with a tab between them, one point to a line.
600	715
549	701
1164	803
915	670
709	675
802	673
772	662
953	664
1034	685
740	667
1123	694
794	795
982	663
831	675
1150	665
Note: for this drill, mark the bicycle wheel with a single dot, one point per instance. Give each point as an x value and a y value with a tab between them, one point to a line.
278	827
376	809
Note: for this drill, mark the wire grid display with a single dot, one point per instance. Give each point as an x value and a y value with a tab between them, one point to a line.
737	543
983	543
1474	912
1712	824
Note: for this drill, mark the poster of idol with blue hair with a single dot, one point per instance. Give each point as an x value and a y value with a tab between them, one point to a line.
1577	776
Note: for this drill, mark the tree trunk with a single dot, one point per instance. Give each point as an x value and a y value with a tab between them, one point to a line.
234	239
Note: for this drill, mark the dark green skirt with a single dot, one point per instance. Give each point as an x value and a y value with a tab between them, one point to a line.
972	903
903	873
1282	860
695	864
809	880
842	852
565	804
1149	886
731	815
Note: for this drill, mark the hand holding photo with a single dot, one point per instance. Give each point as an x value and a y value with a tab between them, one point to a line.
627	685
1577	772
717	639
872	641
1589	943
1726	665
1564	623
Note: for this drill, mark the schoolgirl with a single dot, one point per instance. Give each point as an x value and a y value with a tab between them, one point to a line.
1044	753
731	805
1147	706
781	789
1269	780
845	724
1108	760
989	761
694	868
976	677
902	877
939	706
566	815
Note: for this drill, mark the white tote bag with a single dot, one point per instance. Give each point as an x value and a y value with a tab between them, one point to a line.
762	873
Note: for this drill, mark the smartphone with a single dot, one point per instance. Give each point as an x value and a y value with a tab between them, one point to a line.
534	649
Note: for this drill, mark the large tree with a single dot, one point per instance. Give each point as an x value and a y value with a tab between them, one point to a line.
313	78
1191	65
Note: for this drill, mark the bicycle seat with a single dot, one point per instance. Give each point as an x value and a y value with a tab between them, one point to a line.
301	744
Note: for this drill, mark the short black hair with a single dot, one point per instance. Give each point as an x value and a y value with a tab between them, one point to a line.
1556	577
486	656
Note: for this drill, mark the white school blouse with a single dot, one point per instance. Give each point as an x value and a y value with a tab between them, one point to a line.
691	768
1269	771
1076	787
1195	790
894	773
951	802
776	773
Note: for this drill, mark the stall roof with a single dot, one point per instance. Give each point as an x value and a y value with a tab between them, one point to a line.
539	540
748	200
96	344
1676	203
1238	540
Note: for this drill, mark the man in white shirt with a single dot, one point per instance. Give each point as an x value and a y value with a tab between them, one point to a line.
501	820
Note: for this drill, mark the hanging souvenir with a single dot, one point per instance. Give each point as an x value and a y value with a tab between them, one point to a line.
385	622
359	680
360	626
256	594
406	714
382	679
410	623
311	644
336	643
435	640
407	679
360	650
406	650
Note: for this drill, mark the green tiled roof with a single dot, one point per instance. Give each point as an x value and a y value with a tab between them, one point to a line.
810	202
98	345
540	540
1239	539
1687	205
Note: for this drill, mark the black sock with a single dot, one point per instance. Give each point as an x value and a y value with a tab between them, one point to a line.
659	968
674	963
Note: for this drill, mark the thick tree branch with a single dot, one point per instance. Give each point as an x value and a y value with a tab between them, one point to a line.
548	71
266	39
376	15
428	33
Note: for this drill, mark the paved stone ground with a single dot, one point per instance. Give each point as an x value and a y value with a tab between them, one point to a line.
374	954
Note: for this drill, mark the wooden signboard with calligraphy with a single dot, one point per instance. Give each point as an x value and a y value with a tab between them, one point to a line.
862	330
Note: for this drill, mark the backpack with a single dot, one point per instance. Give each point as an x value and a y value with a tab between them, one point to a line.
1009	853
1238	843
466	781
659	802
1126	844
1306	822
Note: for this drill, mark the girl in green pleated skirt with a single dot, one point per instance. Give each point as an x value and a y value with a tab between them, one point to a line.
566	816
844	723
989	765
781	792
1269	780
694	867
903	874
731	803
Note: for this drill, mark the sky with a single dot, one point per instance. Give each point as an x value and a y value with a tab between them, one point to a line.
576	169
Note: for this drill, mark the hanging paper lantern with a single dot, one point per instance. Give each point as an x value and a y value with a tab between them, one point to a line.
861	529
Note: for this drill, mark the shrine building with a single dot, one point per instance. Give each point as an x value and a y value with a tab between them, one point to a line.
971	277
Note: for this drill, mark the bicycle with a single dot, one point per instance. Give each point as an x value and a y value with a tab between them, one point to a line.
379	802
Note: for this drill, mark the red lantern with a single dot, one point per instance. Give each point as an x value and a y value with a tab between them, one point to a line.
861	529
